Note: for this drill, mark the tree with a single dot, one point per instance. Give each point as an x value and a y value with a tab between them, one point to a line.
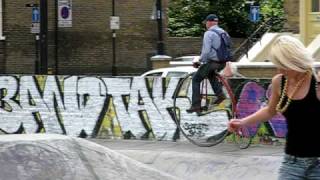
186	16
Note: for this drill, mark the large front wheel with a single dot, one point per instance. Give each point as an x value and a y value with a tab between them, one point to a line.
209	126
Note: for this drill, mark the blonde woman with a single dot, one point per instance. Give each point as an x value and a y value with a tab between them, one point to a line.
294	94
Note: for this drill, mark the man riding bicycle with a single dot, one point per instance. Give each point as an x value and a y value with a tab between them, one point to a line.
209	64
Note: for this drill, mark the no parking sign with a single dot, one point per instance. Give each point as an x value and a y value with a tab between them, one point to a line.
65	13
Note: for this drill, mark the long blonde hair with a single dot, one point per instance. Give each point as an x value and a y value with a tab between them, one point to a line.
289	53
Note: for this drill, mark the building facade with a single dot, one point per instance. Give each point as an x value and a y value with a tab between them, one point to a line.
87	47
84	48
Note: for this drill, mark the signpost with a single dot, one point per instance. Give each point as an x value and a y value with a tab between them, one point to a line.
114	25
35	29
160	28
43	37
254	14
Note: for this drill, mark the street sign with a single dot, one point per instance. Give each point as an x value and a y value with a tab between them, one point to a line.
114	22
65	13
35	20
35	15
35	28
254	13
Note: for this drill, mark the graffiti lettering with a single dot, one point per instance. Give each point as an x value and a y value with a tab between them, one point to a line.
131	107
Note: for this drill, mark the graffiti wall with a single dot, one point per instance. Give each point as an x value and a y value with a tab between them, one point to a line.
122	107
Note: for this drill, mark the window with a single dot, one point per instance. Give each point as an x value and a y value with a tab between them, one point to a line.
176	74
315	6
154	74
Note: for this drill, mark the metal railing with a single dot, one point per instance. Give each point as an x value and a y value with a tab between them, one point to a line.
248	43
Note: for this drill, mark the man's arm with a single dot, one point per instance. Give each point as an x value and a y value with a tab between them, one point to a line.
206	46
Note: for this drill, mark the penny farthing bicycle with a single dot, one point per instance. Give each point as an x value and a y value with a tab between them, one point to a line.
209	126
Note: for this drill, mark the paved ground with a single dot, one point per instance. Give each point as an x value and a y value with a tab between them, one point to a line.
187	161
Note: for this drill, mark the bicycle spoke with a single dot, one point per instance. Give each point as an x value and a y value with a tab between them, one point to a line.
209	126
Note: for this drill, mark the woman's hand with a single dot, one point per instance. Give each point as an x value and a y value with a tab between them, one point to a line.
234	125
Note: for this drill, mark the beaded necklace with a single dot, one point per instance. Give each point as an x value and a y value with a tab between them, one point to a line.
284	92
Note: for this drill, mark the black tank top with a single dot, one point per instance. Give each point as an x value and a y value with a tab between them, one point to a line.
303	123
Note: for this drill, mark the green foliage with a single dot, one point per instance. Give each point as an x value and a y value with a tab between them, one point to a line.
186	16
273	9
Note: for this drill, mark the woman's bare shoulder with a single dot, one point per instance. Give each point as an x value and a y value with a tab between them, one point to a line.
277	79
277	76
276	84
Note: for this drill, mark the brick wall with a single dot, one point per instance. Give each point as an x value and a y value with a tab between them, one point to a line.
86	48
177	46
20	43
138	36
180	46
257	72
291	8
2	58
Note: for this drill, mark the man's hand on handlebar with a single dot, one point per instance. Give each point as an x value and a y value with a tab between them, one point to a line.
196	64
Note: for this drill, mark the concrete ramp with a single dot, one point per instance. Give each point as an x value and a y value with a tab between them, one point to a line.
260	50
189	162
199	166
53	157
314	48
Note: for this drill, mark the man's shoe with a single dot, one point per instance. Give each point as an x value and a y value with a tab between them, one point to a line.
219	99
194	109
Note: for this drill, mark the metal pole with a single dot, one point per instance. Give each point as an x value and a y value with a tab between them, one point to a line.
43	37
56	39
36	64
114	66
160	33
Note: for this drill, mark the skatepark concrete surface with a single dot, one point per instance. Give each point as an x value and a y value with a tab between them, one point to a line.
58	157
189	162
53	157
